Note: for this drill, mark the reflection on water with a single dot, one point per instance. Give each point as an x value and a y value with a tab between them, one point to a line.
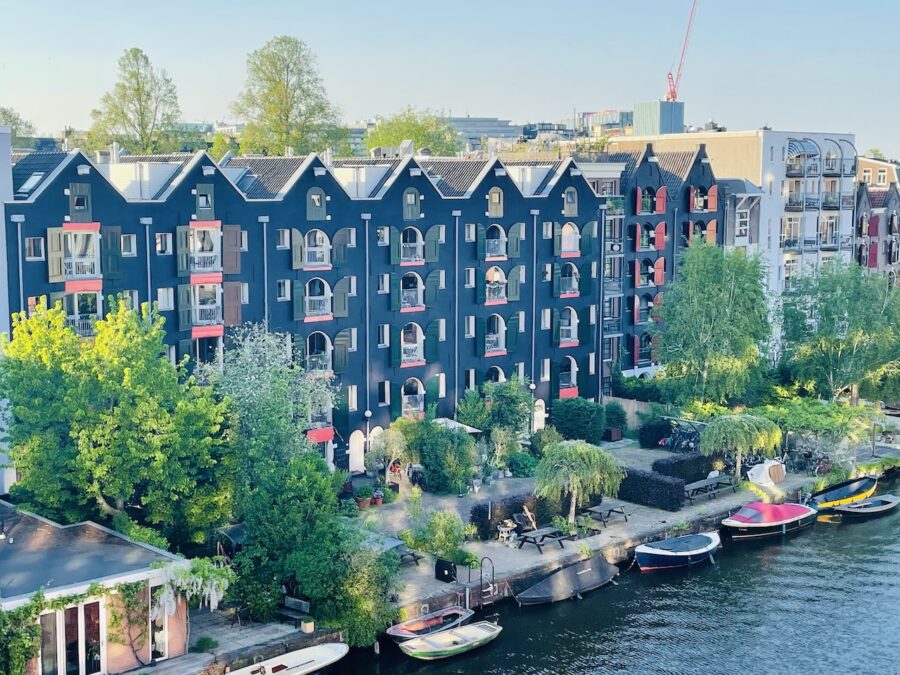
823	601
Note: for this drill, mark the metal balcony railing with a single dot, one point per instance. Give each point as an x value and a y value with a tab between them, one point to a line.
495	248
80	268
612	324
318	306
208	314
849	167
320	362
568	334
205	262
794	168
831	166
411	352
317	255
494	342
831	200
644	315
495	290
567	379
790	241
612	286
82	325
647	205
568	285
320	418
413	404
811	201
410	297
794	201
847	202
827	239
412	252
615	205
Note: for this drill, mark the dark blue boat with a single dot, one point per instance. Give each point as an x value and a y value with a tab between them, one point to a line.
686	551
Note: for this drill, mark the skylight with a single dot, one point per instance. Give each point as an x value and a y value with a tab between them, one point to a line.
32	182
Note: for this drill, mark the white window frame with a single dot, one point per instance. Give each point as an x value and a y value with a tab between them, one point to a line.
283	290
384	283
442	330
164	238
470	232
521	321
548	229
34	258
470	326
245	293
245	241
165	299
442	385
384	335
470	277
383	236
881	177
384	393
742	223
545	370
546	318
470	379
351	238
282	239
353	346
132	251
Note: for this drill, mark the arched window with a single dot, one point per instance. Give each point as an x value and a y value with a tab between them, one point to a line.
568	279
568	326
495	242
411	344
495	335
412	246
571	238
645	349
570	203
412	204
495	374
411	290
645	308
315	204
648	200
318	352
568	373
495	203
413	397
495	284
318	251
700	196
318	297
648	236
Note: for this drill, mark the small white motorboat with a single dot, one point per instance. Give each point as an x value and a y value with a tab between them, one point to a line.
451	642
299	662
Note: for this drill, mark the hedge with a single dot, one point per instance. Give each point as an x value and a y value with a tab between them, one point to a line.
616	417
653	431
689	467
652	489
579	419
505	508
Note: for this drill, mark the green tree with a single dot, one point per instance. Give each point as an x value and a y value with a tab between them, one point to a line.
509	404
141	111
222	144
713	322
578	470
20	126
874	153
447	456
424	128
841	328
285	103
739	435
472	411
390	446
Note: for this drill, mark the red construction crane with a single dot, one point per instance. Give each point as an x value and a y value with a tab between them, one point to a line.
675	80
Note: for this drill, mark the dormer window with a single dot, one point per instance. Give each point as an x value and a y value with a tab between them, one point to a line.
203	201
412	208
495	203
79	203
316	204
570	203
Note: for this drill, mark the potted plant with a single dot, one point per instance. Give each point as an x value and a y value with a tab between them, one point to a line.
507	472
377	497
364	496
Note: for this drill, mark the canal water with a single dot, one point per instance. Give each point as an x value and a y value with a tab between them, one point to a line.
826	601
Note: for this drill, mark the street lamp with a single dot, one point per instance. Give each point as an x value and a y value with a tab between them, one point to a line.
531	387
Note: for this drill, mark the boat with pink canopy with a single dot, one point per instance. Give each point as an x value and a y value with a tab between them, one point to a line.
758	520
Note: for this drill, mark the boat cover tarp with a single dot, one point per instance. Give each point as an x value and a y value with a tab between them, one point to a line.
760	512
565	583
690	542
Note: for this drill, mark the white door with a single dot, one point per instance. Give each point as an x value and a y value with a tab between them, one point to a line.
72	641
356	451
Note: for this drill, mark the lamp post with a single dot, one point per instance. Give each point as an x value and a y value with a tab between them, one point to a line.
531	387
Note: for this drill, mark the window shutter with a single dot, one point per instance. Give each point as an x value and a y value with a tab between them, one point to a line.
340	413
185	309
636	310
661	199
514	240
80	215
659	272
479	287
584	326
299	297
432	285
513	282
395	347
873	254
712	198
183	250
659	236
480	327
297	249
111	252
588	237
432	337
340	303
555	327
206	213
692	197
585	280
55	254
432	391
432	243
394	245
339	247
299	343
873	226
711	232
635	350
231	249
480	236
583	377
314	212
557	280
184	348
637	273
341	351
557	239
231	303
395	292
396	400
638	193
512	333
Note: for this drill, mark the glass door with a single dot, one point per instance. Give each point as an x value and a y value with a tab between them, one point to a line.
71	642
159	629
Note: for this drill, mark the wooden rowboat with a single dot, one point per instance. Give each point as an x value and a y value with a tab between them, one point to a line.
870	508
847	492
449	617
299	662
451	642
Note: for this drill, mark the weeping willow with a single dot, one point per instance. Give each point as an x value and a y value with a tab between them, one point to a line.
739	435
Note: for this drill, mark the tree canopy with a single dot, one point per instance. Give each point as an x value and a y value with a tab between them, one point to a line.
740	435
841	328
284	101
141	111
20	126
713	322
424	128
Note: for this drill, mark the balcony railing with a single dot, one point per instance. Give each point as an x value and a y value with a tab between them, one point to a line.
794	168
614	245
849	167
647	205
794	201
799	167
567	379
612	324
411	252
410	353
831	166
495	248
493	342
413	404
410	297
612	285
790	241
205	262
496	290
645	280
699	204
320	418
811	201
320	362
847	201
79	268
644	315
317	255
82	325
827	240
831	200
644	358
568	334
317	306
206	315
568	285
615	205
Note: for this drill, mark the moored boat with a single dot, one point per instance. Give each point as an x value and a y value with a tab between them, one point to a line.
846	492
451	642
758	520
300	661
869	508
686	551
442	619
569	582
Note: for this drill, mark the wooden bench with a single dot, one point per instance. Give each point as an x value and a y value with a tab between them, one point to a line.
542	537
709	487
408	556
606	512
292	609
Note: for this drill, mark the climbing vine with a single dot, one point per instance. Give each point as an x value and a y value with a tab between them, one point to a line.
127	622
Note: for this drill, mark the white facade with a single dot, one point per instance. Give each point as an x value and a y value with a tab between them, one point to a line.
7	473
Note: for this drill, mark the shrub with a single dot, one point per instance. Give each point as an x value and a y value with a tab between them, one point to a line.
205	643
579	419
472	411
652	489
543	439
504	509
689	467
652	432
447	457
637	388
444	534
522	464
365	492
349	508
616	417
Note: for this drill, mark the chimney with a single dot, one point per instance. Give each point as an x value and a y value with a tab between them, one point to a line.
6	188
114	153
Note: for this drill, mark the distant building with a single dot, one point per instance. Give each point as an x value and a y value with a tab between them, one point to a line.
877	173
877	246
474	129
653	118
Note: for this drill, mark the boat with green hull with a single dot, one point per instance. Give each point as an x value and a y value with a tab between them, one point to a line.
451	642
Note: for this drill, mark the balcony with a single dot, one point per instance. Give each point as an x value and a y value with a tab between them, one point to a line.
614	245
615	205
316	256
567	379
811	202
81	268
413	404
410	297
826	240
414	252
612	286
207	315
644	315
82	325
319	362
644	358
494	342
790	242
847	202
199	263
794	202
568	334
494	291
799	167
645	281
849	167
411	353
831	166
568	286
318	306
319	419
612	325
647	205
831	200
495	248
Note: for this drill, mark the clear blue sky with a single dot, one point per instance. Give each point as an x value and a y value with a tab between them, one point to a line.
795	65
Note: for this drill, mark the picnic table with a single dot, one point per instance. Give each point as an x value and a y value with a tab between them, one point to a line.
709	487
606	512
541	537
